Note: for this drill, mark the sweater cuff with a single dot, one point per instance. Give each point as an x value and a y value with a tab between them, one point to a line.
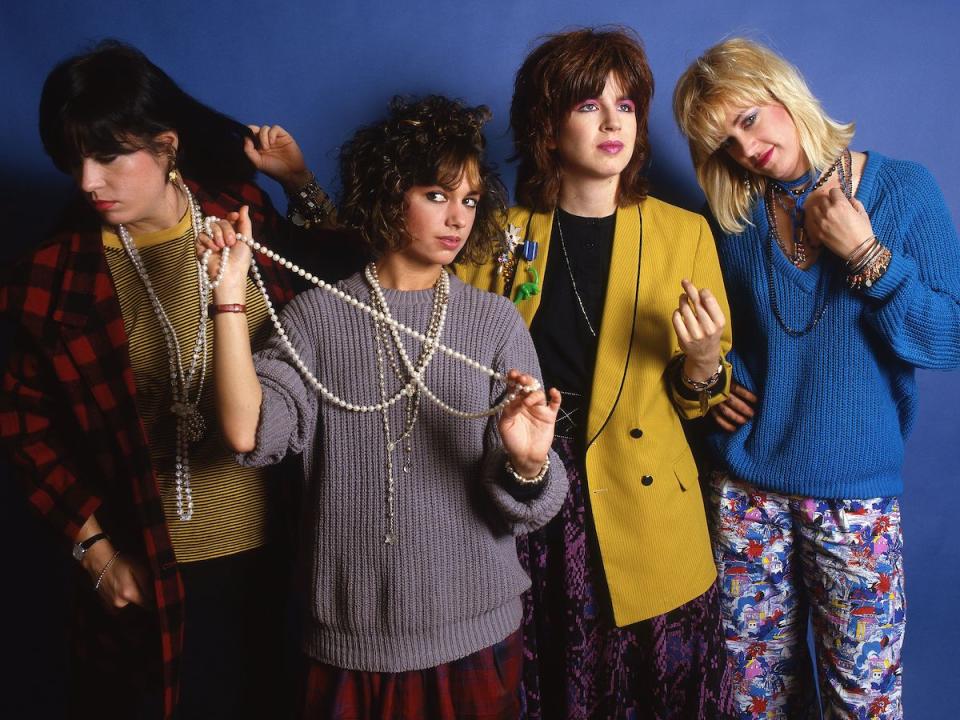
900	269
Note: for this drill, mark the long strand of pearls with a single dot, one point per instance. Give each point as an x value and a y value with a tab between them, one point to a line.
190	425
416	373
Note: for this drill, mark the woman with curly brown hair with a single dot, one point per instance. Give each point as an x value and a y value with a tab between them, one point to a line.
623	619
417	487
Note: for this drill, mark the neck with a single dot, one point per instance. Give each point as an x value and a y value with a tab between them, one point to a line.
396	273
589	197
165	214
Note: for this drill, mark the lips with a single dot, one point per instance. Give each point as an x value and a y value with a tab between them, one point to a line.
103	205
611	147
450	242
764	159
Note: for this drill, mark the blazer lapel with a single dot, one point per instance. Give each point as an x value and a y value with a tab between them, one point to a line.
618	326
538	228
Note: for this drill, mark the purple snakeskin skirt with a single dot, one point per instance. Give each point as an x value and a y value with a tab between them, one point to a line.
578	665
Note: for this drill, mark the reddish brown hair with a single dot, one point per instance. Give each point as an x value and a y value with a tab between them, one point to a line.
563	70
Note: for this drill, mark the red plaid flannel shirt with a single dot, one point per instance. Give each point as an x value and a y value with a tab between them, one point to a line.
68	418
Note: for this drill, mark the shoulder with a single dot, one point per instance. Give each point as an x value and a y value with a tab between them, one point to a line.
230	197
655	210
496	308
903	177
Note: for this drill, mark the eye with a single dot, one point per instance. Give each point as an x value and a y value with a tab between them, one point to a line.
436	196
750	119
104	159
725	144
588	106
471	202
626	106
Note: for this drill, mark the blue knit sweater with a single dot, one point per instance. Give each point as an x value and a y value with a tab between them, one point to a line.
836	405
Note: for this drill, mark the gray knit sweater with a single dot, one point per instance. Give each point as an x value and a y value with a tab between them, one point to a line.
451	582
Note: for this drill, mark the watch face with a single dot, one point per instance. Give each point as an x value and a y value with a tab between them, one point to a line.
78	551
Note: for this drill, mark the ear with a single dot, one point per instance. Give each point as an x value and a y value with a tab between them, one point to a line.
169	138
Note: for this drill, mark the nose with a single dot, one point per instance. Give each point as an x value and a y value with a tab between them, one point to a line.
611	119
456	215
89	175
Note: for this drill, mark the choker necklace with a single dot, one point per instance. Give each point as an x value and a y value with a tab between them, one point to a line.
573	283
191	426
798	192
382	338
844	165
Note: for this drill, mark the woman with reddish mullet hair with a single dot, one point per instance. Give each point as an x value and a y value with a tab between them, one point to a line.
623	619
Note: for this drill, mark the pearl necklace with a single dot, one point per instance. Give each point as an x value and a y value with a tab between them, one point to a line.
416	373
191	426
382	339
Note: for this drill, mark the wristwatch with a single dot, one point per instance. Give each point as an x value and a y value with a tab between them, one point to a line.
80	549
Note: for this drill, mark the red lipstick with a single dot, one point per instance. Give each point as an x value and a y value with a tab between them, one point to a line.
103	205
764	159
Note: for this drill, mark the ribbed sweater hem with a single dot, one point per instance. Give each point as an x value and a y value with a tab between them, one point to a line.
848	488
387	650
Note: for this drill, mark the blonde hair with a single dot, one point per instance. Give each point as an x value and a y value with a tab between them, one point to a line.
735	73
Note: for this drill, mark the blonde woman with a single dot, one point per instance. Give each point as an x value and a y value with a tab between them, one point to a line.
843	274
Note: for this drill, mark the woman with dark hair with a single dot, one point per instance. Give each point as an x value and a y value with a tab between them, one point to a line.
845	267
623	619
106	413
423	458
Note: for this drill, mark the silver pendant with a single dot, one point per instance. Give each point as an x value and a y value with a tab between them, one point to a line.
195	426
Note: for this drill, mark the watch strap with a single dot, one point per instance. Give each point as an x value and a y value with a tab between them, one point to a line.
80	549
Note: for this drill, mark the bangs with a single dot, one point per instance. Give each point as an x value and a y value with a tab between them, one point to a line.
590	79
456	167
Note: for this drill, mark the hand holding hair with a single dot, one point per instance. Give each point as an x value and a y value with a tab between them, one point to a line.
277	155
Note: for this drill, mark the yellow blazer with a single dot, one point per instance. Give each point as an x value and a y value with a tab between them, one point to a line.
643	484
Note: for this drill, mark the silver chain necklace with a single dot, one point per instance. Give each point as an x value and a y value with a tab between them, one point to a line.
573	283
383	345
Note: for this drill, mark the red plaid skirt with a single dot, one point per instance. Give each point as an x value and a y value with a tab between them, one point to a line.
483	685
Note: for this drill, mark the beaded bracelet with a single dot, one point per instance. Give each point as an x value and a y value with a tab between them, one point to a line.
309	205
869	276
529	481
103	571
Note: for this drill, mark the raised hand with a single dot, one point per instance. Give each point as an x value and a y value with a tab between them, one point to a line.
232	288
699	323
277	155
526	425
839	223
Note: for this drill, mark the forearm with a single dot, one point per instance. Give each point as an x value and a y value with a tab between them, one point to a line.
237	389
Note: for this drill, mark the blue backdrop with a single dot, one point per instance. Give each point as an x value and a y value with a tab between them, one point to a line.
320	69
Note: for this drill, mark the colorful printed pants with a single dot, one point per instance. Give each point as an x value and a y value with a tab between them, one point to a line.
783	558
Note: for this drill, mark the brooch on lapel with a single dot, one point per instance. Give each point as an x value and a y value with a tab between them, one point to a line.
514	248
529	288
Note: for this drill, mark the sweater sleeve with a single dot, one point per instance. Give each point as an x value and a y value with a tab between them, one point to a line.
706	274
915	305
522	514
289	408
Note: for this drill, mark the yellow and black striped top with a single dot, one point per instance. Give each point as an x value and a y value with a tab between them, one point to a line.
229	501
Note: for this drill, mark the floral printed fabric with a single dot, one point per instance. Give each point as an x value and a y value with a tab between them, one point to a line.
783	559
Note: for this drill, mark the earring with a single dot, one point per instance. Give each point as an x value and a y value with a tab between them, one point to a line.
172	174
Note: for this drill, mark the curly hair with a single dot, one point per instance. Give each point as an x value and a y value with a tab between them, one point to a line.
563	70
431	141
742	72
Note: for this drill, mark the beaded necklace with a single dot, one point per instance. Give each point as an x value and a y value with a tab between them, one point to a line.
845	166
416	375
190	424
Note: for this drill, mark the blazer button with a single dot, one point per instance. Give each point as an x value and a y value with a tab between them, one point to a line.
636	433
646	480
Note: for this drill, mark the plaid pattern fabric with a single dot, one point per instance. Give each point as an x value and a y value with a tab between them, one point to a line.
68	419
484	685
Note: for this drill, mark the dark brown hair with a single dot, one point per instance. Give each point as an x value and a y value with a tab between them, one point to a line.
433	141
112	100
563	70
